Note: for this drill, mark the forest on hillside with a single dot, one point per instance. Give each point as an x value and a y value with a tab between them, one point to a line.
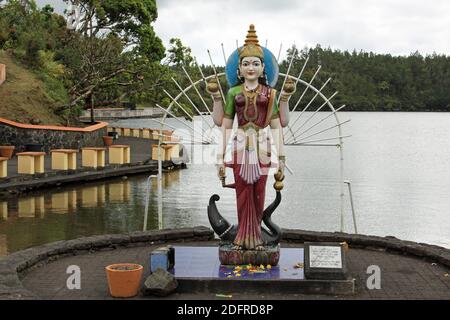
366	81
114	56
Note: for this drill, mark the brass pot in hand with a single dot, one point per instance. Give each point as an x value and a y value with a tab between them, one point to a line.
289	86
212	86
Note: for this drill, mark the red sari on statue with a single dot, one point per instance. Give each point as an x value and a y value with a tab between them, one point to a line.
251	158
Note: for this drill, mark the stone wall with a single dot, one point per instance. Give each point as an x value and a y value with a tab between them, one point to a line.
51	137
2	73
14	265
388	243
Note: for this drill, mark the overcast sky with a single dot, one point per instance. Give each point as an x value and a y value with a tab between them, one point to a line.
398	27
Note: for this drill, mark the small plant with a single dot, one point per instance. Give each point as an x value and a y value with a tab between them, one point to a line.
126	267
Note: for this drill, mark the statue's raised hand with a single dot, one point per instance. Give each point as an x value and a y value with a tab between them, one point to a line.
288	90
212	87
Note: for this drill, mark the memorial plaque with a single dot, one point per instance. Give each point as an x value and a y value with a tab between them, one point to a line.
325	260
325	257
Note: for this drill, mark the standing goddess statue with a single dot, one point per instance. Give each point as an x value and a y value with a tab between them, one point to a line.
254	104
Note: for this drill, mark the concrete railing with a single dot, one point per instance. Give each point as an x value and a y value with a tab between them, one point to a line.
120	113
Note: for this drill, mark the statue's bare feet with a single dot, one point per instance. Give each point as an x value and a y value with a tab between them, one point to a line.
237	247
260	248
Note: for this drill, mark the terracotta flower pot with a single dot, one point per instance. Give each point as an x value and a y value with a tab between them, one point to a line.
7	151
108	140
124	279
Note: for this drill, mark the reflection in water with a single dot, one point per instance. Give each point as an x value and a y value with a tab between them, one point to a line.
95	209
31	207
92	197
4	210
169	179
3	245
119	192
62	202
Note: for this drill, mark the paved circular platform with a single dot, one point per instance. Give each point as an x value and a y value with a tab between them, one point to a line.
402	276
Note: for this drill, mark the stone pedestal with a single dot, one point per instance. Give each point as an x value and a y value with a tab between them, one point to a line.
119	154
198	269
230	256
93	157
64	159
135	132
3	167
146	133
30	162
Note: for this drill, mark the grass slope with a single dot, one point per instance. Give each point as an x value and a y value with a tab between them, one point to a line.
23	96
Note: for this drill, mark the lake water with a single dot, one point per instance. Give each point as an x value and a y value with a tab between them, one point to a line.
398	164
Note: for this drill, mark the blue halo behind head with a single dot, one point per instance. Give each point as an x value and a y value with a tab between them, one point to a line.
271	67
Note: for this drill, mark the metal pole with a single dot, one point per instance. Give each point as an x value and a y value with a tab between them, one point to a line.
224	56
160	222
167	112
287	73
192	103
147	200
175	128
341	185
351	203
323	119
279	53
217	77
327	139
322	131
195	88
314	113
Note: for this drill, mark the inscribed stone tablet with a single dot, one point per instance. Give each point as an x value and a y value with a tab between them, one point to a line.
325	257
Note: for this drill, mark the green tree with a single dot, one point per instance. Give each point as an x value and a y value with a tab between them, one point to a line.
112	47
178	54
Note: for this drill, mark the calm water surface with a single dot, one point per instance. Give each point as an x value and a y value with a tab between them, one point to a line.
398	163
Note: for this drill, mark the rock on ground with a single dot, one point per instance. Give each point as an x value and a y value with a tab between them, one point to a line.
160	283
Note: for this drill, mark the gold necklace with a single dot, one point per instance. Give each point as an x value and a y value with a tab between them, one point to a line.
250	96
251	90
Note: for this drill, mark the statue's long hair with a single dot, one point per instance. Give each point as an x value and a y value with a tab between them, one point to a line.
262	79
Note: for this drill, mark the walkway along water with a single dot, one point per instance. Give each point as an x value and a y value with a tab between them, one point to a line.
141	163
